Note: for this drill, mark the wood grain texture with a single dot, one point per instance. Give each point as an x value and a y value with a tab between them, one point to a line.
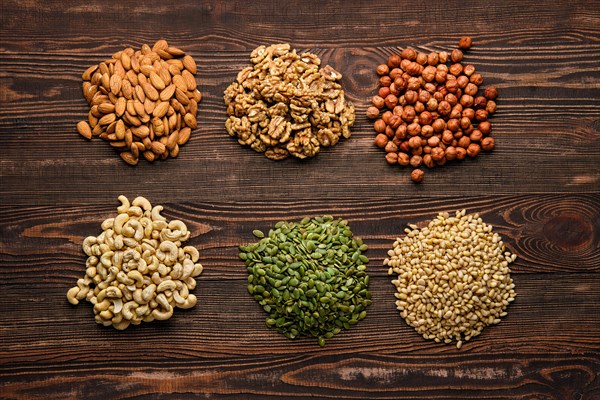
540	188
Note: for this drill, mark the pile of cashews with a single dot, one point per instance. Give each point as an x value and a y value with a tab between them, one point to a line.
137	270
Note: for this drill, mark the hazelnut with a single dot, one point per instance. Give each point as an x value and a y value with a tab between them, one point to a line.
382	70
443	57
462	81
394	61
438	125
469	113
450	153
451	98
417	175
391	147
404	64
404	147
481	115
394	122
476	79
456	56
384	92
400	131
465	123
456	112
485	127
397	111
386	116
414	83
403	159
460	153
444	108
466	100
411	96
414	142
413	129
473	150
480	102
491	107
397	141
441	76
421	58
468	70
416	161
476	136
433	141
453	125
488	143
471	89
419	107
379	127
372	112
457	135
409	54
426	149
464	142
432	104
438	96
455	69
391	158
428	161
425	118
430	87
443	90
491	93
417	152
402	101
424	96
378	102
442	67
426	131
465	43
381	140
389	132
400	83
408	114
437	153
395	73
385	81
452	85
433	58
391	101
414	68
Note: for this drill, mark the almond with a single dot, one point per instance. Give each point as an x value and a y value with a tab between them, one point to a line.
161	109
129	158
149	106
148	155
158	148
160	45
84	129
167	93
180	82
87	75
190	81
174	51
106	108
165	75
141	131
184	136
107	119
174	151
126	61
127	89
115	84
120	106
182	97
156	81
190	120
189	64
173	139
150	91
138	108
120	130
139	93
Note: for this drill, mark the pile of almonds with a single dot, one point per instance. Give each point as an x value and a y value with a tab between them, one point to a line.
429	111
144	102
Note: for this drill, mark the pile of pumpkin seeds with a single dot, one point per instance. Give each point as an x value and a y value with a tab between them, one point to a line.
309	276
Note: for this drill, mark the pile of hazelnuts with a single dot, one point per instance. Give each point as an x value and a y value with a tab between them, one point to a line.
428	111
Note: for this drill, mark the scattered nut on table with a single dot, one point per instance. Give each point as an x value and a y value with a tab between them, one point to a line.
286	104
137	270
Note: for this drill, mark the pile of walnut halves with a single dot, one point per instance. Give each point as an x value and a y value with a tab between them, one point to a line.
284	104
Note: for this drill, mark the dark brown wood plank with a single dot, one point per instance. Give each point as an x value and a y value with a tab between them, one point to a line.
540	189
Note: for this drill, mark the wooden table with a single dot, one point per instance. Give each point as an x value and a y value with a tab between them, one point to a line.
539	188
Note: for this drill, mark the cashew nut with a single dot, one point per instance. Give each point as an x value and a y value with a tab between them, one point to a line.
166	285
142	202
156	214
124	204
192	252
119	222
189	302
71	295
127	309
162	315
